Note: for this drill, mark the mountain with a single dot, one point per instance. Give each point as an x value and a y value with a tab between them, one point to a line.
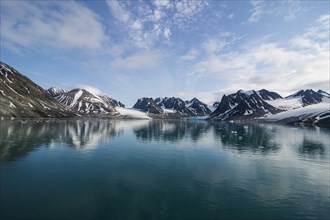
300	99
307	97
20	97
197	107
268	95
325	94
86	103
148	105
175	104
53	91
171	107
242	105
215	105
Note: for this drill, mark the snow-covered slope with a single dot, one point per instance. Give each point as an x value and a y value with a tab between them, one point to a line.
20	97
86	103
300	99
314	114
132	113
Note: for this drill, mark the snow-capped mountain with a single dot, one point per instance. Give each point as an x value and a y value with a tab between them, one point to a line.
268	95
197	107
86	103
175	104
325	94
20	97
242	105
307	97
172	107
148	105
300	99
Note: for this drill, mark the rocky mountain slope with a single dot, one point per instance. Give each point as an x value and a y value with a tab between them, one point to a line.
172	107
197	107
242	105
85	103
20	97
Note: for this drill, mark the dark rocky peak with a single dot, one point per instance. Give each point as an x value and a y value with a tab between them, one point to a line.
268	95
242	105
148	105
215	104
198	107
324	93
307	96
170	103
176	104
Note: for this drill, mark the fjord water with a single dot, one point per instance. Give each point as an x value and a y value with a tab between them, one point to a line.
100	169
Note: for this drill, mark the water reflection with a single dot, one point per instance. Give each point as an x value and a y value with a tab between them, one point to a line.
246	137
17	138
172	130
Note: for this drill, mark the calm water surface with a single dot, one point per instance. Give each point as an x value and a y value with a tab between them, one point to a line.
162	170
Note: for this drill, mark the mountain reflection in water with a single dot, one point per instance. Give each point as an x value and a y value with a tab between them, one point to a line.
156	169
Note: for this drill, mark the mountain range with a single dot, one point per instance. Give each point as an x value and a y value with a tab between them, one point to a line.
20	97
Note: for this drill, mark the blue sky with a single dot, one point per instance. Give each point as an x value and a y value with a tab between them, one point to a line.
203	49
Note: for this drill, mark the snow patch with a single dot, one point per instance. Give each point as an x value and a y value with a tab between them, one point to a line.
300	112
11	105
132	113
287	103
76	97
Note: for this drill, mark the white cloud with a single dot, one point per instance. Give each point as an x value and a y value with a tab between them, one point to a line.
288	10
40	25
152	22
191	55
138	61
257	11
280	67
90	89
231	16
293	9
213	46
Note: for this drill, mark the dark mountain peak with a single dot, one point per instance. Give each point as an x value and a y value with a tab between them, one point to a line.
308	96
148	105
324	93
268	95
242	105
195	100
197	107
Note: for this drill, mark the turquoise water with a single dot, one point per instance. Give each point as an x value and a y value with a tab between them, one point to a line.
76	169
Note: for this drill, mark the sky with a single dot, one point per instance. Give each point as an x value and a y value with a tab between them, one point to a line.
186	49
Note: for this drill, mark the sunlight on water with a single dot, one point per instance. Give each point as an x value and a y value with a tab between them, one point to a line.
99	169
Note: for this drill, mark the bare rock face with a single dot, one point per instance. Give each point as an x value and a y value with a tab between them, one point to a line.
242	105
20	97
